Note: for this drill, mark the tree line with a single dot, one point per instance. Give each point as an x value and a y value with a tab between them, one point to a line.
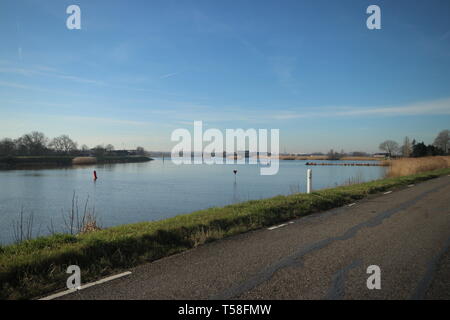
440	146
37	144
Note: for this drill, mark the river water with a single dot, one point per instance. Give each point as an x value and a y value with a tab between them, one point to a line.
134	192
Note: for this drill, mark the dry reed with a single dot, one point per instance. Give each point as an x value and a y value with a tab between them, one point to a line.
408	166
84	160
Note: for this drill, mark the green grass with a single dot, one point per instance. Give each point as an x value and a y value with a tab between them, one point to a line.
36	267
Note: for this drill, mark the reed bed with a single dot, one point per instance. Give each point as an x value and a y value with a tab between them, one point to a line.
325	157
407	166
84	160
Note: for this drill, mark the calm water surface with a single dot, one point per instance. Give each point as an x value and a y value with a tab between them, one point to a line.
134	192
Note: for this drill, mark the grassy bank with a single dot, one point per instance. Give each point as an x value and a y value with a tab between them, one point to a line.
38	266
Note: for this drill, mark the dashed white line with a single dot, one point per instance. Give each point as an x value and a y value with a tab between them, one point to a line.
276	227
351	204
63	293
388	192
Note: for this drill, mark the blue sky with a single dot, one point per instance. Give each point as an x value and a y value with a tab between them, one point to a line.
137	70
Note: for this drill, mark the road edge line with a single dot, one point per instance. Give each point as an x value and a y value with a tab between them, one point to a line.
87	285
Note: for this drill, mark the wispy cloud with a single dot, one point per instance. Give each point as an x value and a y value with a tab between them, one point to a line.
102	120
168	75
48	72
18	86
81	80
434	107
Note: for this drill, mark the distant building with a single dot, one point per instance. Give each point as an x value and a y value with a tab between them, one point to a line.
381	155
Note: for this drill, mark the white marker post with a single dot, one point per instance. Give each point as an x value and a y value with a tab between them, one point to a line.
308	181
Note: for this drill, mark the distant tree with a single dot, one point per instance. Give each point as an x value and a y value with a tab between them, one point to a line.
423	150
140	151
419	150
333	155
99	151
442	141
407	147
109	148
389	146
7	147
63	144
84	148
434	151
34	143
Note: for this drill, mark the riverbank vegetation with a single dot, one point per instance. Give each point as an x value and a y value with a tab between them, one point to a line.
407	166
61	161
343	157
36	150
36	144
414	149
36	267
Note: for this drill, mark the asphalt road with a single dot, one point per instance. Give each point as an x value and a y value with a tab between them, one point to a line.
323	256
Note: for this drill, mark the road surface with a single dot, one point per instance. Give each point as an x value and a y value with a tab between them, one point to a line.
323	256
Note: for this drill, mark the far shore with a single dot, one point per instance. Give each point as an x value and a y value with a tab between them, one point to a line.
22	162
325	157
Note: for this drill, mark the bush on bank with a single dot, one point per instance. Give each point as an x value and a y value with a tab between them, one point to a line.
36	267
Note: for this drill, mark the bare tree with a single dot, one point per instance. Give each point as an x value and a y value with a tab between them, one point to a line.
389	146
109	147
99	151
63	144
333	155
442	141
407	147
140	151
34	143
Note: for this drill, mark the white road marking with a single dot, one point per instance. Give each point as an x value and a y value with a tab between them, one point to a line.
276	227
351	204
63	293
388	192
411	185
